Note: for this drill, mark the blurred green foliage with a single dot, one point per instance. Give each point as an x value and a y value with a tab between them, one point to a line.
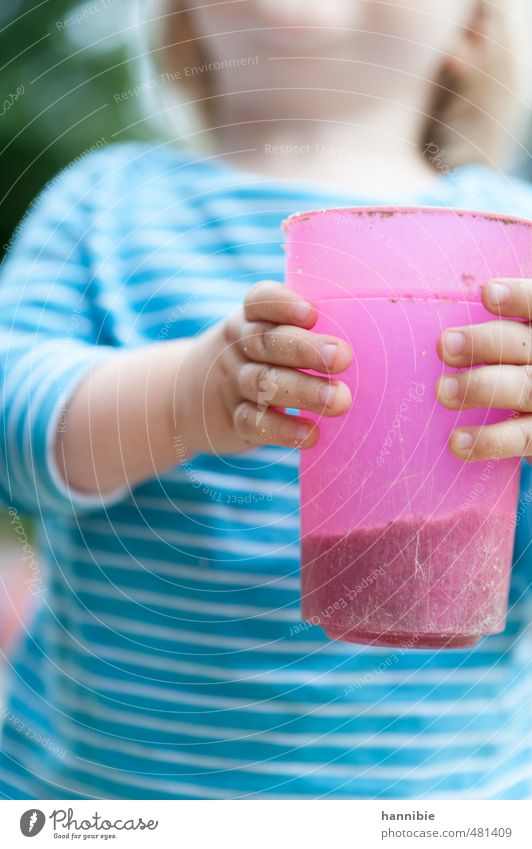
61	63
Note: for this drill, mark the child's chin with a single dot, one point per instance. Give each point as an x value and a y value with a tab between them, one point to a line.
311	20
301	37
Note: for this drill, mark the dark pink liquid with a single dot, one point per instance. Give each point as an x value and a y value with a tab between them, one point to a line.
417	582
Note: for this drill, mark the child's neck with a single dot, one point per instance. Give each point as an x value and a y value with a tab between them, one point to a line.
370	144
363	117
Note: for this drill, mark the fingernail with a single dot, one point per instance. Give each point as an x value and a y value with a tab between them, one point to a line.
328	353
454	343
327	395
301	311
302	431
463	441
450	388
498	293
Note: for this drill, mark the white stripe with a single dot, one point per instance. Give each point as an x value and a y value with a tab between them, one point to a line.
318	646
469	676
56	294
48	357
174	271
503	783
114	777
173	635
490	646
180	288
314	677
34	765
50	270
206	312
247	204
144	598
269	454
15	384
246	516
196	574
192	256
17	406
239	545
293	678
225	206
378	740
170	788
79	360
61	248
298	769
44	321
217	480
389	709
188	234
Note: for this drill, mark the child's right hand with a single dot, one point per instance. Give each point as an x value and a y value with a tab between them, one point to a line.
251	363
142	410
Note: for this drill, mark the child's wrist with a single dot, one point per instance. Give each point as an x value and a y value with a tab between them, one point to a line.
185	418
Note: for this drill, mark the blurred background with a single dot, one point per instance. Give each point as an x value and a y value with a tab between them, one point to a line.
62	63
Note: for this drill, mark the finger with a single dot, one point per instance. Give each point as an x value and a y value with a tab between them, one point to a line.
490	342
282	345
509	297
272	428
504	387
512	438
269	301
269	386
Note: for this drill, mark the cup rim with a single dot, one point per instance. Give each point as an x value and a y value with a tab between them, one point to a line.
388	211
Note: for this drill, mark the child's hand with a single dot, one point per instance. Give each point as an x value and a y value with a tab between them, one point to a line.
251	364
504	380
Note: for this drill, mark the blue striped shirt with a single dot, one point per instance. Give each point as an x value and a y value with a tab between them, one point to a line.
166	657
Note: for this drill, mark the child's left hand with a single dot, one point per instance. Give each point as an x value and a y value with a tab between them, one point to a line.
504	380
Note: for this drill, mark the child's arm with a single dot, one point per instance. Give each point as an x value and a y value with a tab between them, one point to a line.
140	413
49	339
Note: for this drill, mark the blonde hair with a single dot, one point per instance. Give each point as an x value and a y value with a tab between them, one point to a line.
477	116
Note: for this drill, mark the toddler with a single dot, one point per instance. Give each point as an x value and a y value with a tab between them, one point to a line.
148	352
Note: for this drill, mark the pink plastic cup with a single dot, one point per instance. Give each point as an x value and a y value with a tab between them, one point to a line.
402	543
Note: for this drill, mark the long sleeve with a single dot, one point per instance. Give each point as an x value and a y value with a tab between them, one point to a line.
49	340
